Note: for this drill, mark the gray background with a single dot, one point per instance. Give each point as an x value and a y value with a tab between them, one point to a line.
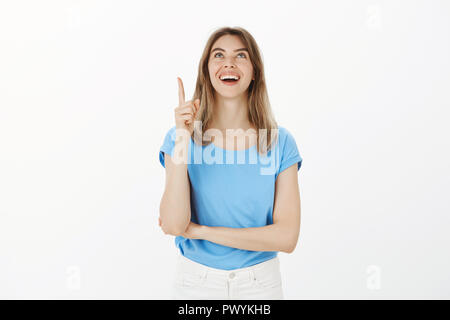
87	92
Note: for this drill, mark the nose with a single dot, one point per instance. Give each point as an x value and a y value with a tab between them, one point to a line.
229	63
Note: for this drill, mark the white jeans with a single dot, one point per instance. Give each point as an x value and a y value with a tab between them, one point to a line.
197	281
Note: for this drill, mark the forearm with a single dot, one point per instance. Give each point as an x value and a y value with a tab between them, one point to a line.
272	237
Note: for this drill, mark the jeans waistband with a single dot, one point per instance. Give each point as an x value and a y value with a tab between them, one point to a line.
200	269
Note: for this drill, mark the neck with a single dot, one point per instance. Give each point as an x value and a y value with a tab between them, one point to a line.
231	113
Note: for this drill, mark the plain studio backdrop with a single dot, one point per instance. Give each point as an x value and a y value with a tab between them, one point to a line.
87	93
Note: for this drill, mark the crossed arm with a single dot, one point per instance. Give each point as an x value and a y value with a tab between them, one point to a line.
282	235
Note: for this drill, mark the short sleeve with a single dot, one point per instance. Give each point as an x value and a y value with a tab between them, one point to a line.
290	153
168	145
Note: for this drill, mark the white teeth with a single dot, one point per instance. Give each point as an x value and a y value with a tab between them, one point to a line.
229	77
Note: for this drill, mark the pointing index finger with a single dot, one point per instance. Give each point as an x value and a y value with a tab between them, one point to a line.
181	99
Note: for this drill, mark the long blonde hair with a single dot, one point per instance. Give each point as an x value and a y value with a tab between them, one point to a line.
259	110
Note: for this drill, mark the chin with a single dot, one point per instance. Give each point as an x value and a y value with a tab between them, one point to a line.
232	93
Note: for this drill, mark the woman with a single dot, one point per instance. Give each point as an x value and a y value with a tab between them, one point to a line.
230	217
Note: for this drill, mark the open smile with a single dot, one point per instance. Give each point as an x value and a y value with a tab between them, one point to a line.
229	79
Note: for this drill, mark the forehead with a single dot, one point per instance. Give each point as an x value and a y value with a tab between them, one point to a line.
228	42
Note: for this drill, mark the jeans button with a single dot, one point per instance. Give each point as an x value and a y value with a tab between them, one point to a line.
232	275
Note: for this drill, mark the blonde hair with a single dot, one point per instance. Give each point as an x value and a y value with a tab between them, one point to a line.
259	110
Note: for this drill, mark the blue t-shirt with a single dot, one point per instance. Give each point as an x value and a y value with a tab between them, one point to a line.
231	188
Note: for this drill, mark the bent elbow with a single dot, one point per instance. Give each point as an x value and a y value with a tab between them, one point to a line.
172	229
291	245
289	249
171	223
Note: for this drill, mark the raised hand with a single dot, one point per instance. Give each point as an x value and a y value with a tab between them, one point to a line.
186	112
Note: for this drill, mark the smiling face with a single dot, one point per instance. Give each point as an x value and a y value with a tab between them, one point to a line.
229	59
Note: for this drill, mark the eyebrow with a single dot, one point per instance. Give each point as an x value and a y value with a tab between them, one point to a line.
220	49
